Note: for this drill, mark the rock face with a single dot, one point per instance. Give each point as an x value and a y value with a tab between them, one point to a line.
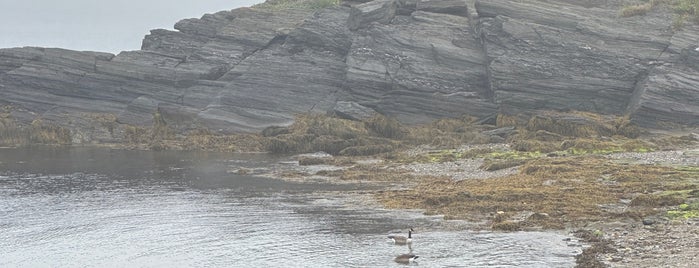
416	60
556	56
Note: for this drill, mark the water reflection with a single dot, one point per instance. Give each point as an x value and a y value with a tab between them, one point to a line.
95	207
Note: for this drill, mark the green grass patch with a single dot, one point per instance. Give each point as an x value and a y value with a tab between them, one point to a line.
685	10
689	169
685	211
687	7
514	155
443	156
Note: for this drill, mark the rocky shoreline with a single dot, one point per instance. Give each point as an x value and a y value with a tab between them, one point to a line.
654	240
515	115
617	194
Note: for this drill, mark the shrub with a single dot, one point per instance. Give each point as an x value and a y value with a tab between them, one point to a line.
41	133
686	9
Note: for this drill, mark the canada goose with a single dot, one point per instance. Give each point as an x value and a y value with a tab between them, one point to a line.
406	258
402	240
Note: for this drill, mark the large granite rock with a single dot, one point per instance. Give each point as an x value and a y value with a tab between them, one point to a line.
417	60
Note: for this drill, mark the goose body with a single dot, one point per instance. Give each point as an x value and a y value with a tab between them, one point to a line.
406	258
402	240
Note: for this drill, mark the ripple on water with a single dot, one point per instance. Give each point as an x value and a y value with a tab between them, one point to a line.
111	223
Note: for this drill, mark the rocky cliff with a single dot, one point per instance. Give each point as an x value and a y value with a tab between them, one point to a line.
416	60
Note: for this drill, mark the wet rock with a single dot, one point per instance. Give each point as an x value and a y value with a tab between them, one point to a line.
649	221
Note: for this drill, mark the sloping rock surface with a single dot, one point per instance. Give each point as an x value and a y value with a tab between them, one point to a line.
417	60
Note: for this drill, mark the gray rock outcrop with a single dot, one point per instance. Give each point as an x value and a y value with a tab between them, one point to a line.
416	60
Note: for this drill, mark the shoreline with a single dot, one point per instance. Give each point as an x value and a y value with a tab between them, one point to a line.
613	185
648	242
613	242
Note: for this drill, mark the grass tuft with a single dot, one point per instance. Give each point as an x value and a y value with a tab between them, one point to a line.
635	10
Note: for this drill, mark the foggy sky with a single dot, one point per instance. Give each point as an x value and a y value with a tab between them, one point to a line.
97	25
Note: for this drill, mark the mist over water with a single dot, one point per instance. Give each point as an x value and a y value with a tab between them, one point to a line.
112	208
105	25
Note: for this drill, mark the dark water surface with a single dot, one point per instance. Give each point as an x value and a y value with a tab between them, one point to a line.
88	207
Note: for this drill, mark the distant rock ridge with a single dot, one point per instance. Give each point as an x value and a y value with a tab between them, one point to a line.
416	60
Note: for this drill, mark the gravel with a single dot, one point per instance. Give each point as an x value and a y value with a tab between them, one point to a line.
657	243
461	169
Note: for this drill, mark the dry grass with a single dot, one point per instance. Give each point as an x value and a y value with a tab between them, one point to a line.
203	140
687	10
13	134
493	164
635	10
375	173
377	135
386	127
549	125
447	133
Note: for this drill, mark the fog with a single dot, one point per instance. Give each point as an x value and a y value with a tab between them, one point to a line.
97	25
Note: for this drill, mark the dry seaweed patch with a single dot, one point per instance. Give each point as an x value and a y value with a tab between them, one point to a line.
38	132
569	191
493	165
12	134
377	135
376	173
315	132
598	246
447	133
571	124
207	141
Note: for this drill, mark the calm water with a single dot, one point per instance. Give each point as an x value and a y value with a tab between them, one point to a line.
111	208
